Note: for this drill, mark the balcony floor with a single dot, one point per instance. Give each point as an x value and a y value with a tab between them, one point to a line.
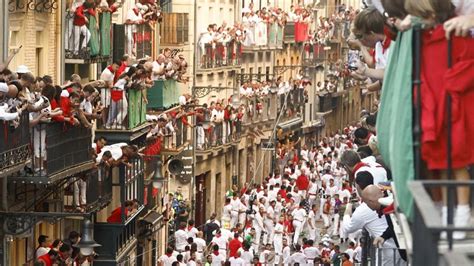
49	179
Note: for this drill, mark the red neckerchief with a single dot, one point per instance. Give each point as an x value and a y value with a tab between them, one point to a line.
190	227
387	41
358	166
111	69
135	10
216	252
169	254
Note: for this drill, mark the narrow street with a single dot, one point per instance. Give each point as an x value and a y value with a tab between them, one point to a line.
236	132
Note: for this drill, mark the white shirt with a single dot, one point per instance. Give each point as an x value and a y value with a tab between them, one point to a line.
41	251
237	261
192	232
299	214
258	221
200	243
311	252
167	261
86	106
364	217
350	252
381	56
217	260
181	238
226	211
378	172
247	256
286	252
107	75
115	150
297	257
220	241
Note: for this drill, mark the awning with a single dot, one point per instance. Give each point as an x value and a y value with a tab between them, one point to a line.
292	124
152	217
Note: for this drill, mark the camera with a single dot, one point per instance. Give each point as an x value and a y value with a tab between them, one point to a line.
352	59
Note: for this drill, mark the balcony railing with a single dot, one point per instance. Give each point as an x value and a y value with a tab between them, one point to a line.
313	54
263	36
258	111
163	95
59	150
214	55
14	144
127	109
181	134
89	192
89	45
427	225
115	238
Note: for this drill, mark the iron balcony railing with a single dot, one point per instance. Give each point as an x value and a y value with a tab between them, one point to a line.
214	55
427	227
57	147
90	191
116	237
14	143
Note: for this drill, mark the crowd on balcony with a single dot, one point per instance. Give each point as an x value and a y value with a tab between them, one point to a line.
61	252
220	121
89	25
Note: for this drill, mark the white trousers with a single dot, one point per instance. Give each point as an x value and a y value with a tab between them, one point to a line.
298	229
326	220
129	30
39	142
68	35
78	31
268	236
234	219
79	192
201	136
336	224
278	246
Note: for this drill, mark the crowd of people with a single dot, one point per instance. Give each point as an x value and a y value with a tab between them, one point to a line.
328	193
89	23
61	252
305	212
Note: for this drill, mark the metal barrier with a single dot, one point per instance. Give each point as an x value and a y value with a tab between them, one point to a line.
58	147
90	191
428	225
220	55
14	142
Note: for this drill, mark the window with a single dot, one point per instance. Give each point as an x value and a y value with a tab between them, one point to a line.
175	28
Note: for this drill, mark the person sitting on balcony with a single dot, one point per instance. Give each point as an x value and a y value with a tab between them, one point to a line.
80	21
116	215
43	246
48	259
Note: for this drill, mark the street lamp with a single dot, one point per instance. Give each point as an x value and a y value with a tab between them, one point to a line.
87	244
158	180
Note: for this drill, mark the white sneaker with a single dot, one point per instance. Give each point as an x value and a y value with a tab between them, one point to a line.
461	219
